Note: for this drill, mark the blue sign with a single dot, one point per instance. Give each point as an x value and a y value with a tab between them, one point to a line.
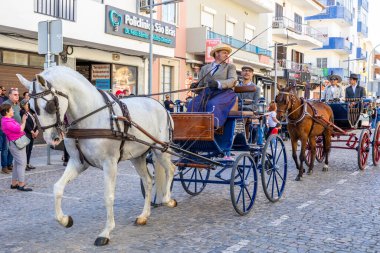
103	84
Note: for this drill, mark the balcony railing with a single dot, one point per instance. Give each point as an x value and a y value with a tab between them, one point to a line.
63	9
299	67
363	4
238	44
363	28
302	29
334	12
338	43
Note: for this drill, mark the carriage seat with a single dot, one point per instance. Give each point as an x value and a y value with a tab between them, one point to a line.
235	109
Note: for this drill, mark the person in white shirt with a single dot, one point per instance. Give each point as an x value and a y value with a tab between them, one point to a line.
334	91
272	119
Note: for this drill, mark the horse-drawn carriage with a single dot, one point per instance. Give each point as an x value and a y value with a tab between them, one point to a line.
206	163
349	116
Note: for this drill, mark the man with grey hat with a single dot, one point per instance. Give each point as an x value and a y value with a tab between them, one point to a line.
334	91
355	90
251	97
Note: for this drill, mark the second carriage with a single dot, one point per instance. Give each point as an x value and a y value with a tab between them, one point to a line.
350	117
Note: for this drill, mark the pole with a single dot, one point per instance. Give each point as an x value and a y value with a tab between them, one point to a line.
47	65
150	78
275	68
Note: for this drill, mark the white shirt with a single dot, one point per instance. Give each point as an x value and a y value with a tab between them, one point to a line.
271	122
354	88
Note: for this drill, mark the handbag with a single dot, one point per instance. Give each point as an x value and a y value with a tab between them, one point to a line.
22	142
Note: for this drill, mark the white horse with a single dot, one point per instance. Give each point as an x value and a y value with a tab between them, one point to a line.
77	97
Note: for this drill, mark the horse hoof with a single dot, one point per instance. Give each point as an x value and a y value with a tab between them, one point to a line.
310	172
70	223
325	169
101	241
172	203
141	221
298	178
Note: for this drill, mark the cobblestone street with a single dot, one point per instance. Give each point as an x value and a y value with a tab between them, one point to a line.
337	211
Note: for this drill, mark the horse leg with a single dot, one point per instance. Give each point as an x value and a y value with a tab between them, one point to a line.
302	153
294	155
326	149
164	169
312	143
73	169
109	172
142	170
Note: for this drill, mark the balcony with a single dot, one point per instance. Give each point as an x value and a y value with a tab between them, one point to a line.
284	67
259	6
309	7
338	44
335	13
363	4
292	32
63	9
362	29
360	53
196	40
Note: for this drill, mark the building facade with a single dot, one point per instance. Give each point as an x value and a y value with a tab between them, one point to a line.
345	32
244	25
107	41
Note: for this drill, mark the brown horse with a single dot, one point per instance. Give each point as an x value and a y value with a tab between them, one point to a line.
304	123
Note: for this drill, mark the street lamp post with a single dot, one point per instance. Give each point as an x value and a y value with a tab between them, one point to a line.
150	6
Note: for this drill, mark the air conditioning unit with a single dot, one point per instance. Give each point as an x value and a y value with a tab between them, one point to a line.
275	24
144	5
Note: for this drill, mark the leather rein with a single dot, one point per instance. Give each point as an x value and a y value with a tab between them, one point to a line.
305	113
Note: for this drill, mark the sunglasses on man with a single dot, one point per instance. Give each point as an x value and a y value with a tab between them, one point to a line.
334	79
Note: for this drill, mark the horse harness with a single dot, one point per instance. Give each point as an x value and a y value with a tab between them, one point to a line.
52	106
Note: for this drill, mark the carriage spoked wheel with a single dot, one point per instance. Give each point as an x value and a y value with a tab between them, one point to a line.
274	168
319	152
197	177
376	145
150	165
363	149
243	184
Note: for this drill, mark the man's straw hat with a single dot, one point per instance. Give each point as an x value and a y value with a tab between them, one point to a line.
220	47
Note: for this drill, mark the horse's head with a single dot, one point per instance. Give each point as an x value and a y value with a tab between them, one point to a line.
50	106
283	101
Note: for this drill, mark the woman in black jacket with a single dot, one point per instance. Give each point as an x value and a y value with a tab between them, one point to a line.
31	130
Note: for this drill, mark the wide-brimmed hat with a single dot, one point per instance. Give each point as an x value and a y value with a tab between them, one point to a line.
335	77
247	67
354	76
24	102
220	47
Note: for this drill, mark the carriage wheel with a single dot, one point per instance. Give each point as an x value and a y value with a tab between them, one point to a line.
274	168
363	149
149	164
243	184
199	176
376	145
319	152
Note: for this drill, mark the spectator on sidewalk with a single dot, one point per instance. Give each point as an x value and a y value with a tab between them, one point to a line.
3	97
14	130
169	105
25	95
31	130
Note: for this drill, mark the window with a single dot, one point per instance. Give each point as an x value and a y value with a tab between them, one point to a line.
297	23
64	9
36	60
166	78
207	20
297	57
10	57
321	62
230	28
248	33
169	12
279	11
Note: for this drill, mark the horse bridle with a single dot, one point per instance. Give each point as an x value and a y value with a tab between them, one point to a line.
287	101
52	106
304	112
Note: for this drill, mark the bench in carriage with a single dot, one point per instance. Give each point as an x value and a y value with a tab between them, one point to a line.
195	133
348	117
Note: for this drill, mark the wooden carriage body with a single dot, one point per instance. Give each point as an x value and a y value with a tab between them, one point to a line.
346	116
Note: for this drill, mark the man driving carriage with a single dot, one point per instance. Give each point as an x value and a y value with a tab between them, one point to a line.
334	91
218	78
355	90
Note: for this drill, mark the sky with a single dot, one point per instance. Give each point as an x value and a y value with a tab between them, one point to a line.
374	23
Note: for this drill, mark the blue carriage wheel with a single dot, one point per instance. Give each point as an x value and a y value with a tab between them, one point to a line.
243	184
274	168
193	180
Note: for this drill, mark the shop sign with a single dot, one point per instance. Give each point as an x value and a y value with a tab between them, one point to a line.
131	25
100	71
210	43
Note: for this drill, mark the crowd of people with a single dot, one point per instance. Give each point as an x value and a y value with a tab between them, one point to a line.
17	133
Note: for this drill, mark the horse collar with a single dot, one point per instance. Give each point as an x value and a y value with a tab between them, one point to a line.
304	113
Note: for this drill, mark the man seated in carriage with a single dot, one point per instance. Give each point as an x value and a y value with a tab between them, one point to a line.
218	78
355	90
248	100
333	91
